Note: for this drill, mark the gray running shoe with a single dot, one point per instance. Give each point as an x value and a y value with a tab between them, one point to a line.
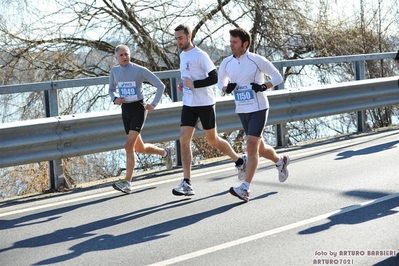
168	159
282	169
123	186
241	192
183	189
241	168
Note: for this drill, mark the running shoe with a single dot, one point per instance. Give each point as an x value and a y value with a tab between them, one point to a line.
184	189
168	159
282	169
123	186
241	168
241	192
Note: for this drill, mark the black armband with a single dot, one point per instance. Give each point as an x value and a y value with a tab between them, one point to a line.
210	80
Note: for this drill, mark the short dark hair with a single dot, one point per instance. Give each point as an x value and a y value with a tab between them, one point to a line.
186	28
242	34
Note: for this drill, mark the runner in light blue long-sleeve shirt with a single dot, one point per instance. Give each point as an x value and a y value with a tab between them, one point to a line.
125	89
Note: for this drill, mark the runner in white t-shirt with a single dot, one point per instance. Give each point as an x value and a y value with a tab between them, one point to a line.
243	74
196	65
198	74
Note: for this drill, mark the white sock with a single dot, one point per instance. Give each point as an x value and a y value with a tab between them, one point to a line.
280	161
246	184
164	153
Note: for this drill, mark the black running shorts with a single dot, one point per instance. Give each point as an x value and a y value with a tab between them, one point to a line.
190	115
133	116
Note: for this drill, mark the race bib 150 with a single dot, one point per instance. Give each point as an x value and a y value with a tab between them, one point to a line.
244	94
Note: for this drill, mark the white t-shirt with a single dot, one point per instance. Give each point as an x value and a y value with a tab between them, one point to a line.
244	70
196	64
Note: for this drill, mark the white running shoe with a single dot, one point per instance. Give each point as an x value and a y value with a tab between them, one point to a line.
241	192
184	189
168	159
241	168
123	186
282	169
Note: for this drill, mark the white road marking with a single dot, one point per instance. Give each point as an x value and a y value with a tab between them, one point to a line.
240	241
227	244
99	195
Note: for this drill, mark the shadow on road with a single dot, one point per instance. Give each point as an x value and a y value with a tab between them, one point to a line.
368	150
47	216
391	261
108	242
374	210
353	215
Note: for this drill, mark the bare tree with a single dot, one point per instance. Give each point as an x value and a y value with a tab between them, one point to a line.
76	38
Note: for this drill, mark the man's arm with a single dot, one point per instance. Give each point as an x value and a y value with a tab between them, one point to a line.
223	78
208	81
270	70
156	82
111	87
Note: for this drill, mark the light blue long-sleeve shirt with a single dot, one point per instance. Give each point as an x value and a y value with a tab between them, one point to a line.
121	76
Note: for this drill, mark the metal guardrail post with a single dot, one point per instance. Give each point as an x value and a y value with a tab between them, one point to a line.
56	170
281	129
359	70
175	98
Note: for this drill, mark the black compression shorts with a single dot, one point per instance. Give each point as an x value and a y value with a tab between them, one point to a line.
133	116
253	123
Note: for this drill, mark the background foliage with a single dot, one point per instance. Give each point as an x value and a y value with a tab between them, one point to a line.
66	39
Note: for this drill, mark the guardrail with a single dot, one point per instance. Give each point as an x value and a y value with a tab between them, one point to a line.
56	137
61	137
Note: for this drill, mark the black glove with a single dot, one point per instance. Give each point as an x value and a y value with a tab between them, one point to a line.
258	88
231	87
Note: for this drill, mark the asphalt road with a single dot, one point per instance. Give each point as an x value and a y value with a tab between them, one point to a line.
338	207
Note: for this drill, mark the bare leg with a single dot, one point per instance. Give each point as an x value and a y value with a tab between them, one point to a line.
134	140
215	141
130	159
147	148
186	134
268	152
253	144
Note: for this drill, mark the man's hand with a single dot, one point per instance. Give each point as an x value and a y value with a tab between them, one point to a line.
230	87
188	83
257	88
118	100
149	107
